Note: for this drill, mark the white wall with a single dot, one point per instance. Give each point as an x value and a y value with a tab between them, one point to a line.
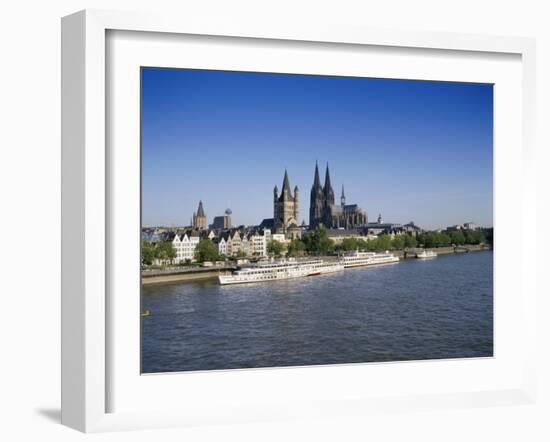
30	182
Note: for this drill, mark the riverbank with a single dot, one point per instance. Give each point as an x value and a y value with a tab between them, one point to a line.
198	273
181	275
409	254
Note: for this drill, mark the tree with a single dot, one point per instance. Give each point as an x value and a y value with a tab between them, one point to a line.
318	242
361	244
457	237
349	244
474	237
372	244
147	253
275	248
296	247
410	241
384	243
307	239
443	240
487	235
165	251
398	242
206	250
481	237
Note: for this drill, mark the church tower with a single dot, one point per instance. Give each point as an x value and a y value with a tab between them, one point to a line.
199	218
296	204
316	201
327	190
285	206
328	200
343	198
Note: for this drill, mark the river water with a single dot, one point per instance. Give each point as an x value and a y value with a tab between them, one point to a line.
439	308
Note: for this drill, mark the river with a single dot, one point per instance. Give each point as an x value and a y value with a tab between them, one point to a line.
413	310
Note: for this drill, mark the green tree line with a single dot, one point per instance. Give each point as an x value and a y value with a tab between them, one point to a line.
318	243
453	237
162	251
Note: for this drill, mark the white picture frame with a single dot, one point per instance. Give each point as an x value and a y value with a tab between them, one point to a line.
86	208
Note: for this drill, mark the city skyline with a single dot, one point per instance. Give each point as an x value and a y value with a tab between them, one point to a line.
410	150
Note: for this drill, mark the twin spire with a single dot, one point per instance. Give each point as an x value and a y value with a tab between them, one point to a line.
327	188
327	179
317	180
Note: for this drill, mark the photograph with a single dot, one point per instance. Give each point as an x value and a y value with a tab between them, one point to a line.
294	220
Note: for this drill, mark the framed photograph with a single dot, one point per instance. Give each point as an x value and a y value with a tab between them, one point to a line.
263	222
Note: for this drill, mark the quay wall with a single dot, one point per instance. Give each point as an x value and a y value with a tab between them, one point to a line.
156	277
172	276
441	250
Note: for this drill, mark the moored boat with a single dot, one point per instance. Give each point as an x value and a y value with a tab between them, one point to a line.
360	259
426	254
284	269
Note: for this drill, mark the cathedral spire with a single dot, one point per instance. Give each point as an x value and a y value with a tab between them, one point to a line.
316	180
327	178
343	197
329	193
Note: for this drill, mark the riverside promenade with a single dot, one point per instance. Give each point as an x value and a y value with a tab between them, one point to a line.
175	274
159	276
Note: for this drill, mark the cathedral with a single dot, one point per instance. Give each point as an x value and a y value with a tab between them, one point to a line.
286	209
324	212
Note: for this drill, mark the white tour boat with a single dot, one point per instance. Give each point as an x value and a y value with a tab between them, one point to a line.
359	259
426	254
285	269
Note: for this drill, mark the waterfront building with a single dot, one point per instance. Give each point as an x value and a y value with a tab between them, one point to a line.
234	243
382	228
412	229
324	212
153	234
338	235
250	242
222	243
466	226
258	243
199	218
185	243
286	208
278	237
245	244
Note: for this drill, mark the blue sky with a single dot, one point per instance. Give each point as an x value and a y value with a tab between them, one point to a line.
410	150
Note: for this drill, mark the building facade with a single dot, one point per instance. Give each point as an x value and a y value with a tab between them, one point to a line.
222	222
286	207
324	212
381	228
199	218
185	243
258	244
